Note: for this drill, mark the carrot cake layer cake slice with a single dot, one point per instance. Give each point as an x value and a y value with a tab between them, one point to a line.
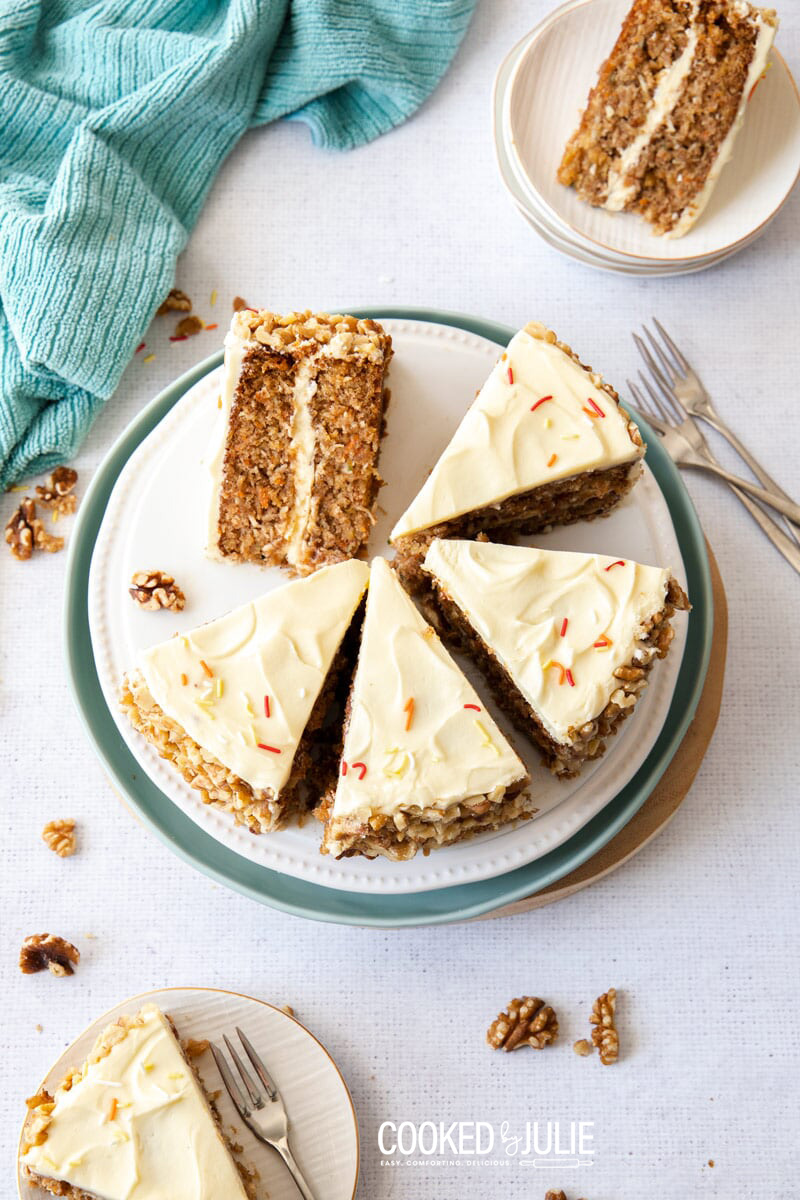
294	470
238	705
565	640
544	443
133	1120
661	121
423	762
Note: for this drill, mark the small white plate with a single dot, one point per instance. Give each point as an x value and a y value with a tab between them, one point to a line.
156	519
543	101
323	1129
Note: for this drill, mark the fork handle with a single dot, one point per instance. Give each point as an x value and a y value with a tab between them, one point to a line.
787	507
282	1146
755	466
783	544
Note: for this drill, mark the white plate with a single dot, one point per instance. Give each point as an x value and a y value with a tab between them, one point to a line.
156	519
548	91
322	1122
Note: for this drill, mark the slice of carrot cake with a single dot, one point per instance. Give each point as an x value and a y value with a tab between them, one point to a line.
544	443
238	705
133	1120
565	640
295	468
423	763
661	121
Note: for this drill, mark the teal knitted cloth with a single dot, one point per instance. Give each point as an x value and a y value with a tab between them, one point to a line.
114	117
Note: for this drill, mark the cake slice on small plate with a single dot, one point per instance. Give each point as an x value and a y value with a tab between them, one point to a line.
295	463
565	640
661	121
238	705
423	763
133	1120
544	443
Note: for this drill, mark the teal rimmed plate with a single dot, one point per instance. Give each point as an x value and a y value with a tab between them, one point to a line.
311	899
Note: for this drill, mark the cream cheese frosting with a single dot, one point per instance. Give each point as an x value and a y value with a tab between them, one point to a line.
137	1126
418	733
540	417
559	623
243	686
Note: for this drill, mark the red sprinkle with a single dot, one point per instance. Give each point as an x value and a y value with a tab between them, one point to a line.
474	707
564	625
361	768
597	410
141	346
551	459
181	337
208	327
266	706
344	767
570	680
543	400
272	749
603	643
510	374
619	563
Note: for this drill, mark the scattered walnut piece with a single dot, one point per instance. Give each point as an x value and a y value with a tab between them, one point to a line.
19	530
57	493
287	1008
188	327
528	1022
194	1047
176	301
60	836
553	1195
604	1034
155	589
583	1048
42	950
239	304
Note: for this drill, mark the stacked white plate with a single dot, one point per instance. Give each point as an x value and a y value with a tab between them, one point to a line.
540	91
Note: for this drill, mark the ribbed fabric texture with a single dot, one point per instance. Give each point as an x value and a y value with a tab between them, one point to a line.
114	118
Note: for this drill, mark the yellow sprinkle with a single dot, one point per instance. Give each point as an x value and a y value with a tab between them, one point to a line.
247	705
176	1075
487	741
148	1066
401	770
185	643
214	297
18	487
148	358
570	437
547	422
219	401
220	688
56	515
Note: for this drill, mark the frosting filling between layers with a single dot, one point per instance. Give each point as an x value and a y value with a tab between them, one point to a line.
540	417
243	686
559	623
137	1126
418	733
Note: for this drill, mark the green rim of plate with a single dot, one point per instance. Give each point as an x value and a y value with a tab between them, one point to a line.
195	846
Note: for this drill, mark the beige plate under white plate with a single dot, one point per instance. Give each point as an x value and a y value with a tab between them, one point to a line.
322	1122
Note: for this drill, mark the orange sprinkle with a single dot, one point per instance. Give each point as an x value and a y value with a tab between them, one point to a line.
206	668
603	643
184	679
562	669
552	459
408	708
112	1109
209	327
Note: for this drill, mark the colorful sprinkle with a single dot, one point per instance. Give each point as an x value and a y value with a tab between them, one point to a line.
543	400
112	1109
206	668
510	373
553	458
213	300
184	680
266	706
487	741
603	643
408	709
148	358
208	328
564	625
220	688
559	666
547	423
179	337
570	679
619	563
140	347
219	401
596	410
361	768
474	707
344	767
272	749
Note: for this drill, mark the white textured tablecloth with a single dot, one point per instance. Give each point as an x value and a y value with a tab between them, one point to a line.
699	932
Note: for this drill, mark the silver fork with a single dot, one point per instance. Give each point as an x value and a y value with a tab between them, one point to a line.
677	447
265	1117
684	394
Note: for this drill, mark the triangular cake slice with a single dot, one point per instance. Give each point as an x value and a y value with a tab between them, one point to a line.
544	443
423	763
133	1120
565	640
237	705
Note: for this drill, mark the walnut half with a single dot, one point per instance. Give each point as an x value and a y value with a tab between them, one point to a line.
45	950
155	589
176	301
528	1022
25	533
604	1034
60	836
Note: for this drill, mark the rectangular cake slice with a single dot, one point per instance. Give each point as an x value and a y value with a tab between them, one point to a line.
237	706
661	121
566	641
423	764
133	1120
295	465
545	442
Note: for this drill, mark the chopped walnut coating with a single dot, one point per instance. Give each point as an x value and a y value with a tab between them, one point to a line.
60	837
188	327
176	301
26	533
528	1022
45	950
155	589
583	1048
604	1034
57	493
194	1047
